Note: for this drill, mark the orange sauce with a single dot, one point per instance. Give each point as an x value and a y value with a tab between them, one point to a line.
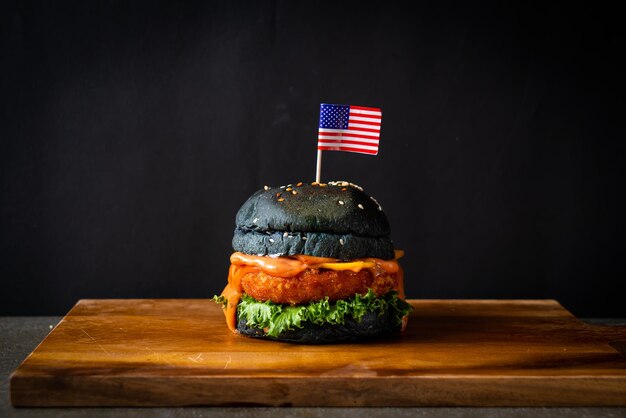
242	264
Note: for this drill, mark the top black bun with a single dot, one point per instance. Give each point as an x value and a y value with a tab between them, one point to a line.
337	220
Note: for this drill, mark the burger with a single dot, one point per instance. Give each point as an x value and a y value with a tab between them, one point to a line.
314	263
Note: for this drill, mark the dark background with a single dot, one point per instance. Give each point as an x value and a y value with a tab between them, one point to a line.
131	132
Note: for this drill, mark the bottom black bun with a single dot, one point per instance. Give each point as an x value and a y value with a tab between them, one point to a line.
371	326
360	318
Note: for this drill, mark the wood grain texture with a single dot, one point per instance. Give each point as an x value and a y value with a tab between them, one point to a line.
170	352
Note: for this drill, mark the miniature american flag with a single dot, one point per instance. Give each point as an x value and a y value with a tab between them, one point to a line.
349	128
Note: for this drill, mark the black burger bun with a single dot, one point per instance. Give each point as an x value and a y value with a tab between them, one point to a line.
337	220
373	325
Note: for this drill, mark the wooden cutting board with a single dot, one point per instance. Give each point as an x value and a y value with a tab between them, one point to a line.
171	352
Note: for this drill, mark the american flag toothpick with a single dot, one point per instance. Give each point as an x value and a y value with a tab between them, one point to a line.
347	128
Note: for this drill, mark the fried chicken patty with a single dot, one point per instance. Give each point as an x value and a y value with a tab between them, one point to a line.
316	284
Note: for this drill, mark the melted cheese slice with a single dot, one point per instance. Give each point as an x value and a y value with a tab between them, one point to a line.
242	264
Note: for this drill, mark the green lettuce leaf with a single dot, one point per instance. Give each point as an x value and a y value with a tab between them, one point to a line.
276	318
220	300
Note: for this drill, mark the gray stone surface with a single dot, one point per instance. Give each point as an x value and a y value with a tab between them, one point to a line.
20	336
